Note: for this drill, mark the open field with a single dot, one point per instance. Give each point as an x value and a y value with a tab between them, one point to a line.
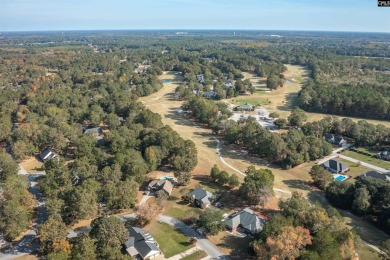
365	252
296	179
195	256
32	165
171	240
364	158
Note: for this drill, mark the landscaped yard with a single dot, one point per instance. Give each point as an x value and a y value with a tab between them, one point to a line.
355	170
171	240
195	256
364	158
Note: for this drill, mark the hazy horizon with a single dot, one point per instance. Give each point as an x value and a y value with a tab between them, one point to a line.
283	15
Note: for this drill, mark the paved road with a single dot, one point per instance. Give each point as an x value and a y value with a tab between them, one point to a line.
203	243
28	244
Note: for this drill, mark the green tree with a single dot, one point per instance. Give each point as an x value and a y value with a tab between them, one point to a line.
297	117
223	178
257	186
110	233
84	248
215	173
8	167
321	177
362	201
233	181
52	230
294	206
183	178
211	221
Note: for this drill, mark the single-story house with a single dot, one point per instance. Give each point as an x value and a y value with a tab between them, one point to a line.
246	220
210	94
141	245
156	185
376	175
200	78
47	154
96	131
200	197
333	139
384	155
335	166
229	83
245	107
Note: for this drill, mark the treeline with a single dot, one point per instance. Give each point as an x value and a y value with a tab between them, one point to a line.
303	231
363	133
16	203
288	149
367	197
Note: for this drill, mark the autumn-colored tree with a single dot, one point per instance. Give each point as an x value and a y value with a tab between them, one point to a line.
61	245
288	242
145	213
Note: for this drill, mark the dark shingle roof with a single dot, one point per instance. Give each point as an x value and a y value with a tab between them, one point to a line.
336	165
376	175
202	195
162	185
142	242
247	220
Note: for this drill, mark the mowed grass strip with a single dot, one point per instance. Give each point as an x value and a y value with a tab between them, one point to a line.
368	159
355	169
170	239
195	256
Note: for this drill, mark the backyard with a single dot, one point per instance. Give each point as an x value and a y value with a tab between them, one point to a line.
355	169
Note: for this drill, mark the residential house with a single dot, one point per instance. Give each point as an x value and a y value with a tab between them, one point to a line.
210	94
96	131
335	166
47	154
245	107
247	220
200	78
156	185
384	155
141	245
336	140
229	83
376	175
200	197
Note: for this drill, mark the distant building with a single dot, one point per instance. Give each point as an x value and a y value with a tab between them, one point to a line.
336	140
156	185
335	166
245	107
200	78
200	198
141	245
229	83
210	94
96	131
47	154
384	155
246	220
376	175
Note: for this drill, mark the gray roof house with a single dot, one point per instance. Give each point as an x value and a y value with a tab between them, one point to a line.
200	197
246	107
156	185
141	245
329	138
210	94
333	139
384	155
96	131
376	175
246	220
335	166
47	154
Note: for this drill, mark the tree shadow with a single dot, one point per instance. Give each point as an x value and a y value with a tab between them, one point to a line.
290	102
297	184
239	246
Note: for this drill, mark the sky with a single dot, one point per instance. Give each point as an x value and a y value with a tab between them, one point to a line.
320	15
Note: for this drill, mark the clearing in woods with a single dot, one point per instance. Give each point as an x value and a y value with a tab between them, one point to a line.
297	179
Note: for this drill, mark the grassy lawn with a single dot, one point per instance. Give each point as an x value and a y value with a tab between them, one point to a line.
354	169
231	245
32	165
364	158
365	252
195	256
171	241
